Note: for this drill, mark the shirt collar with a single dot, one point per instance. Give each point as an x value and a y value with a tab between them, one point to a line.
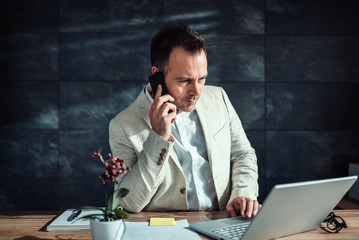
147	89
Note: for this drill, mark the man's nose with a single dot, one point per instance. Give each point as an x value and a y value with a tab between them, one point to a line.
195	89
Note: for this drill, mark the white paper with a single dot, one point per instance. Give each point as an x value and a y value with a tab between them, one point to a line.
142	230
134	230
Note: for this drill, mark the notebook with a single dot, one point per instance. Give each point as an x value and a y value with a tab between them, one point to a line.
64	223
288	209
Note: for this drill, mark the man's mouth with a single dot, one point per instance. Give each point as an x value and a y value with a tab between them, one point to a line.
190	100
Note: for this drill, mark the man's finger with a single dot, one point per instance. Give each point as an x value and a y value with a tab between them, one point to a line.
167	106
237	207
243	206
231	211
170	111
249	207
255	208
159	91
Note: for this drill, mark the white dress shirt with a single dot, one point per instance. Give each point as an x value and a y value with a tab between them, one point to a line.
191	149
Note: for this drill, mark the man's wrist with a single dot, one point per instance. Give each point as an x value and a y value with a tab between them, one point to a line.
171	139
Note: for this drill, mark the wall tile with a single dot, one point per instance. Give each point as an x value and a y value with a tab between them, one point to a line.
29	194
28	153
311	17
110	15
29	56
235	59
312	59
75	152
312	106
30	105
91	105
78	192
29	16
217	17
105	56
310	155
248	100
258	142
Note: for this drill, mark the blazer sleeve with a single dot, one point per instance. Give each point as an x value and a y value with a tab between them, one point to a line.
148	167
244	169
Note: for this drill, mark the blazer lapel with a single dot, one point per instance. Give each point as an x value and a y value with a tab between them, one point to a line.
203	117
144	106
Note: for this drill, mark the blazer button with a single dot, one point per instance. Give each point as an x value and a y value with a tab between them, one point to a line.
163	150
159	162
183	190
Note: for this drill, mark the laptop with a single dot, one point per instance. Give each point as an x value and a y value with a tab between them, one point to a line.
288	209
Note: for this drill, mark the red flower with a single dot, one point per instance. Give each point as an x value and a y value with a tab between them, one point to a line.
97	154
113	167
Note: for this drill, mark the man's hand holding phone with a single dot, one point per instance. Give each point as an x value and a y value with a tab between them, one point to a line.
160	115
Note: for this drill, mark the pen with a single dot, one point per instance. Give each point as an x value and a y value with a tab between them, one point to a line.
74	215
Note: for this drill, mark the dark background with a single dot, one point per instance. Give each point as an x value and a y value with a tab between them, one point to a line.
291	69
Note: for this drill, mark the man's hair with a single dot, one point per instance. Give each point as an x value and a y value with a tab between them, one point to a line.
171	36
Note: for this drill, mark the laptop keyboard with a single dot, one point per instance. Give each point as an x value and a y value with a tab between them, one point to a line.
234	232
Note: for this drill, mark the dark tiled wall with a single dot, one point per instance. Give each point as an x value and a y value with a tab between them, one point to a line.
67	67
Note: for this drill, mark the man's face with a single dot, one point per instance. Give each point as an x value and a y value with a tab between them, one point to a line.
185	78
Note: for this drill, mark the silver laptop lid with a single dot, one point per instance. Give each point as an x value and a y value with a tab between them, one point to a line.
288	209
297	207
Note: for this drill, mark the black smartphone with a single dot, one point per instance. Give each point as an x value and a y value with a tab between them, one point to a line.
158	78
155	79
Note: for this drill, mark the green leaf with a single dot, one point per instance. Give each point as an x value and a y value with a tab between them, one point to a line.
91	217
120	213
117	197
109	207
111	216
122	192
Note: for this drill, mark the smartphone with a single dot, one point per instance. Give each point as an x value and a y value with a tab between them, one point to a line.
155	79
158	78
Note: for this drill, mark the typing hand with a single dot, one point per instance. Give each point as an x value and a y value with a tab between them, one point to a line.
243	206
160	116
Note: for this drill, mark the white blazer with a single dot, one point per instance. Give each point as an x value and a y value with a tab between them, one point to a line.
156	180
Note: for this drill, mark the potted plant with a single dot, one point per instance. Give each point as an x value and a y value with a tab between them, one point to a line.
109	222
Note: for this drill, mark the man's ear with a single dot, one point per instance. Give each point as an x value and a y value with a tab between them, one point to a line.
154	69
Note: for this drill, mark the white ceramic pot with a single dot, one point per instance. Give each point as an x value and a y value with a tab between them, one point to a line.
112	230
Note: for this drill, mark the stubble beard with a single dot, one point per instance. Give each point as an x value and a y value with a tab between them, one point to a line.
186	106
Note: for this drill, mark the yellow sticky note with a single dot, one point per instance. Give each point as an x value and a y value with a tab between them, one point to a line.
162	222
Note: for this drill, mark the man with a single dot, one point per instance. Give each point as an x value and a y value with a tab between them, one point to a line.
187	149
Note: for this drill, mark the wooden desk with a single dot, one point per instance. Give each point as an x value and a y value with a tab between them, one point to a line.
32	225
